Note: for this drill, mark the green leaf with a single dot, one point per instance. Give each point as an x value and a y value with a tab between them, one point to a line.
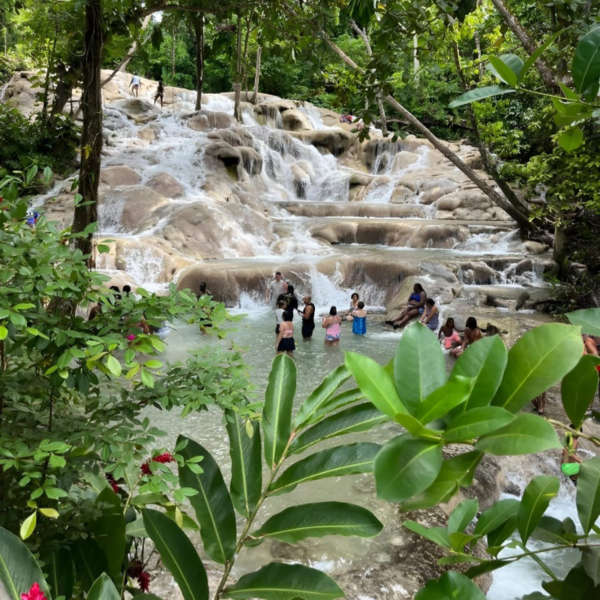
415	427
406	466
178	555
61	572
212	504
277	414
109	530
579	388
18	568
462	515
352	420
591	564
136	528
277	581
321	395
570	139
505	68
588	319
320	519
540	50
451	586
28	525
3	332
334	403
103	589
113	365
437	535
477	422
527	434
480	94
375	383
577	585
51	513
586	65
419	366
588	493
551	530
90	561
536	499
333	462
146	377
441	401
484	362
246	464
495	516
541	358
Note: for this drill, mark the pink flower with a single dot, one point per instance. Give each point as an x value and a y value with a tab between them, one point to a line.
144	581
35	593
131	337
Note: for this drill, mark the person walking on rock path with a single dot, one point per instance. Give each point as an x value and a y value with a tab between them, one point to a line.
136	86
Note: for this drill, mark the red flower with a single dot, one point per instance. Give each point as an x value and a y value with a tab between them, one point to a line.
145	468
144	581
113	483
135	569
35	593
598	368
162	458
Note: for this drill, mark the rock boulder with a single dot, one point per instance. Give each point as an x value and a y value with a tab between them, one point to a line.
140	111
166	185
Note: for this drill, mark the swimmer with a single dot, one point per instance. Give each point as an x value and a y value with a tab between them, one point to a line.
285	338
331	324
359	319
308	318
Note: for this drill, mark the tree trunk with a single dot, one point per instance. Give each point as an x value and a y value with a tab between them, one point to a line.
244	78
173	54
256	75
199	32
48	71
416	64
498	199
237	86
527	43
86	212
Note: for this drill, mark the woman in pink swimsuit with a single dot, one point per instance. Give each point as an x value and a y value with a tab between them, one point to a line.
331	324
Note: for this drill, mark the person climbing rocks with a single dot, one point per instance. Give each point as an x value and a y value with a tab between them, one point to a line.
359	319
431	315
136	86
451	336
285	338
308	318
472	335
277	287
160	93
332	327
414	307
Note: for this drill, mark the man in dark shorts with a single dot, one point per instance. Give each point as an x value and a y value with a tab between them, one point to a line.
160	93
308	318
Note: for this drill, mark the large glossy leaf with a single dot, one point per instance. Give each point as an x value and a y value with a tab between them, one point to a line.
462	515
586	65
333	462
103	589
484	362
527	434
354	419
437	535
136	528
481	93
495	516
579	388
335	403
321	396
553	531
541	358
591	564
319	519
213	505
536	498
540	50
588	319
246	464
451	586
376	383
477	422
178	555
414	426
18	569
578	585
90	561
277	581
506	68
441	401
419	365
406	466
60	572
277	413
570	139
588	493
109	530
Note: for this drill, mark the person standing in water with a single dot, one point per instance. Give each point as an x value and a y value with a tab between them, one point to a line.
359	319
332	326
308	318
291	300
279	315
472	335
285	337
136	86
160	93
353	305
277	287
431	315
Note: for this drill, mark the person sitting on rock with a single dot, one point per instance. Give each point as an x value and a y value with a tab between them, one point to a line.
136	86
160	93
472	335
414	307
431	315
451	336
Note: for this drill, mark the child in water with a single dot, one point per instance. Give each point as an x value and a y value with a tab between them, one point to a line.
451	336
359	319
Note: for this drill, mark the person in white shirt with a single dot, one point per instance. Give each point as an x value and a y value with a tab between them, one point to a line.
277	287
136	85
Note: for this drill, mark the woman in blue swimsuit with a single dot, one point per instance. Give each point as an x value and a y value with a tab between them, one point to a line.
414	307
